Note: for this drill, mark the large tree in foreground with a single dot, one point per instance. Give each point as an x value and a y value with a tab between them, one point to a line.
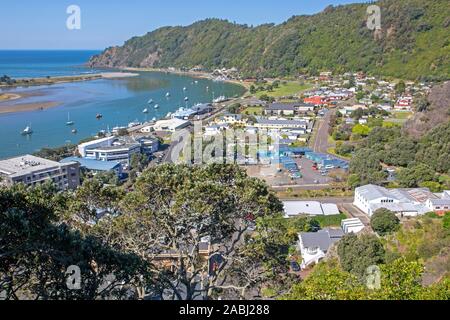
37	250
174	209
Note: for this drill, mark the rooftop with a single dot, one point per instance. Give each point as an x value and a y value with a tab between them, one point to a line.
92	164
282	122
322	239
315	208
25	165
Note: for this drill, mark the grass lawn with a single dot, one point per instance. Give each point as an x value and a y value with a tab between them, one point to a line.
402	115
332	151
256	111
330	221
288	89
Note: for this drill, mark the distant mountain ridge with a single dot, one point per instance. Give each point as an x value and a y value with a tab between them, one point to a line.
412	44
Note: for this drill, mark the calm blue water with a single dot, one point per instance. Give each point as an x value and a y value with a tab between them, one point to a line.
39	64
119	101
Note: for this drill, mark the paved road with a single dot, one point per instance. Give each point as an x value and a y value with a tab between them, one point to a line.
335	200
321	141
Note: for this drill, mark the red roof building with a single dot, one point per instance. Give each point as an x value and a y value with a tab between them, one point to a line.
315	100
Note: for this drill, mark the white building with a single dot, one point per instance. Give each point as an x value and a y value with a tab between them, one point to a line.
281	124
118	149
405	202
354	225
313	246
34	171
312	208
171	125
439	205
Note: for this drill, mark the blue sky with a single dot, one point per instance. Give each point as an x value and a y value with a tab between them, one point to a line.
32	24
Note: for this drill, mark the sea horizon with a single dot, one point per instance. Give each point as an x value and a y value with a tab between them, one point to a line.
119	101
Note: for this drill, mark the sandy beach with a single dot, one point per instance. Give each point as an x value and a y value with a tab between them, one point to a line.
27	82
22	107
9	96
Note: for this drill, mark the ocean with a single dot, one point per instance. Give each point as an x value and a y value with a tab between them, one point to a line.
119	101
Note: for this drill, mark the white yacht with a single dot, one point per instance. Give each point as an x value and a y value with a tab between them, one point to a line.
167	94
27	131
69	122
156	106
145	110
150	101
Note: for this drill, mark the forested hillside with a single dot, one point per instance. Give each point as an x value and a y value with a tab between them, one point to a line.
413	43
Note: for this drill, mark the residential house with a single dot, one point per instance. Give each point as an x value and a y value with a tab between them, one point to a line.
281	109
315	100
313	246
232	119
281	124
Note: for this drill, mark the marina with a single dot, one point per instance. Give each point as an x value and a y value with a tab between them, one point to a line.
93	106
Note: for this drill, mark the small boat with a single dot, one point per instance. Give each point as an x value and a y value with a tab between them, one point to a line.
220	99
134	124
27	131
156	106
167	94
186	99
145	110
99	116
150	101
169	115
154	119
74	131
184	89
196	82
69	122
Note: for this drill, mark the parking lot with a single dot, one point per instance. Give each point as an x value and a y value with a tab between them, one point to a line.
311	176
274	177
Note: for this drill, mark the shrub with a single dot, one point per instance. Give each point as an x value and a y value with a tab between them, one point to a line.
384	222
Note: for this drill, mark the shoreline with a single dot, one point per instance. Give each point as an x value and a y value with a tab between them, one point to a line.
193	74
26	107
30	82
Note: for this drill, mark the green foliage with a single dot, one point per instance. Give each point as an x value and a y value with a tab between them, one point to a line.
361	130
139	161
37	249
336	39
328	283
414	176
366	167
434	148
234	108
56	154
384	222
446	221
330	221
356	254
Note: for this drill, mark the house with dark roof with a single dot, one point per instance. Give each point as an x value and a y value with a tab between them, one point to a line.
314	246
281	109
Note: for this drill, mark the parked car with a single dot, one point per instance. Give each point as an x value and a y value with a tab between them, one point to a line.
295	266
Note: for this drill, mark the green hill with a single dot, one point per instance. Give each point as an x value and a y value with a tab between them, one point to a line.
413	43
